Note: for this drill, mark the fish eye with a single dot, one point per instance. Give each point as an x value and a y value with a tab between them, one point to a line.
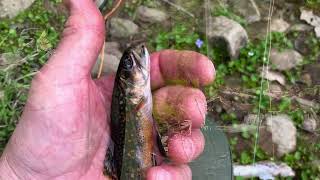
128	63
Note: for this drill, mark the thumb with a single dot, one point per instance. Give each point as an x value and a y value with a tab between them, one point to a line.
80	45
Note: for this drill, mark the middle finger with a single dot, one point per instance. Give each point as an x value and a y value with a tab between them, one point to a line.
179	104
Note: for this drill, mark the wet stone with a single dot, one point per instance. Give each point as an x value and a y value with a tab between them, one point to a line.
151	15
226	33
312	19
112	56
286	59
11	8
274	76
309	124
283	133
300	27
276	89
313	71
279	25
9	60
246	8
301	44
122	28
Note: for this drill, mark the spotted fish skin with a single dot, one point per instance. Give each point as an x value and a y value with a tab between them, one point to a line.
132	125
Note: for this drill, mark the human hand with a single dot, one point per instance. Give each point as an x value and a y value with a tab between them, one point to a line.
64	129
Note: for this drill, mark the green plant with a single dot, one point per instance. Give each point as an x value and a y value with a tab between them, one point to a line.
245	158
180	37
28	39
314	4
280	41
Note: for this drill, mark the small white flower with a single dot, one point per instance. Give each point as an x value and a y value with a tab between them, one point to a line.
251	53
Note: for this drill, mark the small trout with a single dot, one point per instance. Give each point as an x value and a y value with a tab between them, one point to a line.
133	130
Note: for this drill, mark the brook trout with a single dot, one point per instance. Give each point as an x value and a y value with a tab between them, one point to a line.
133	130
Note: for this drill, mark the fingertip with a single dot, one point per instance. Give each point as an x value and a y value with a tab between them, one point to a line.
186	67
157	173
206	70
169	172
195	102
80	45
186	148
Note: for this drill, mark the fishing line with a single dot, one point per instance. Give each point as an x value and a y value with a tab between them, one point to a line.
206	14
265	68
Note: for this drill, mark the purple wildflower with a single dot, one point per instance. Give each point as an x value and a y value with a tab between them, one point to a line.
199	43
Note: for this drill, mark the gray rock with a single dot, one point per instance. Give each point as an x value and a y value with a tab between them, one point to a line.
151	15
113	48
283	133
257	30
246	8
279	25
302	45
228	33
110	65
317	31
285	60
307	79
276	89
122	28
11	8
309	17
112	56
313	70
312	19
274	76
309	124
300	27
9	61
264	7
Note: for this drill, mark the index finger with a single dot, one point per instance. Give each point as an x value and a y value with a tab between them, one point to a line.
180	67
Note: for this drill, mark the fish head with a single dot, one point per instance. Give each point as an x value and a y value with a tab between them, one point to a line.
134	69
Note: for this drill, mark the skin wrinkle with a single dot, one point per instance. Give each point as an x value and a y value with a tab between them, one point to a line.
88	125
186	148
23	165
42	76
47	85
161	69
186	171
11	167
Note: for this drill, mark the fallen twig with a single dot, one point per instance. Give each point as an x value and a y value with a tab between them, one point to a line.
106	17
239	128
179	8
